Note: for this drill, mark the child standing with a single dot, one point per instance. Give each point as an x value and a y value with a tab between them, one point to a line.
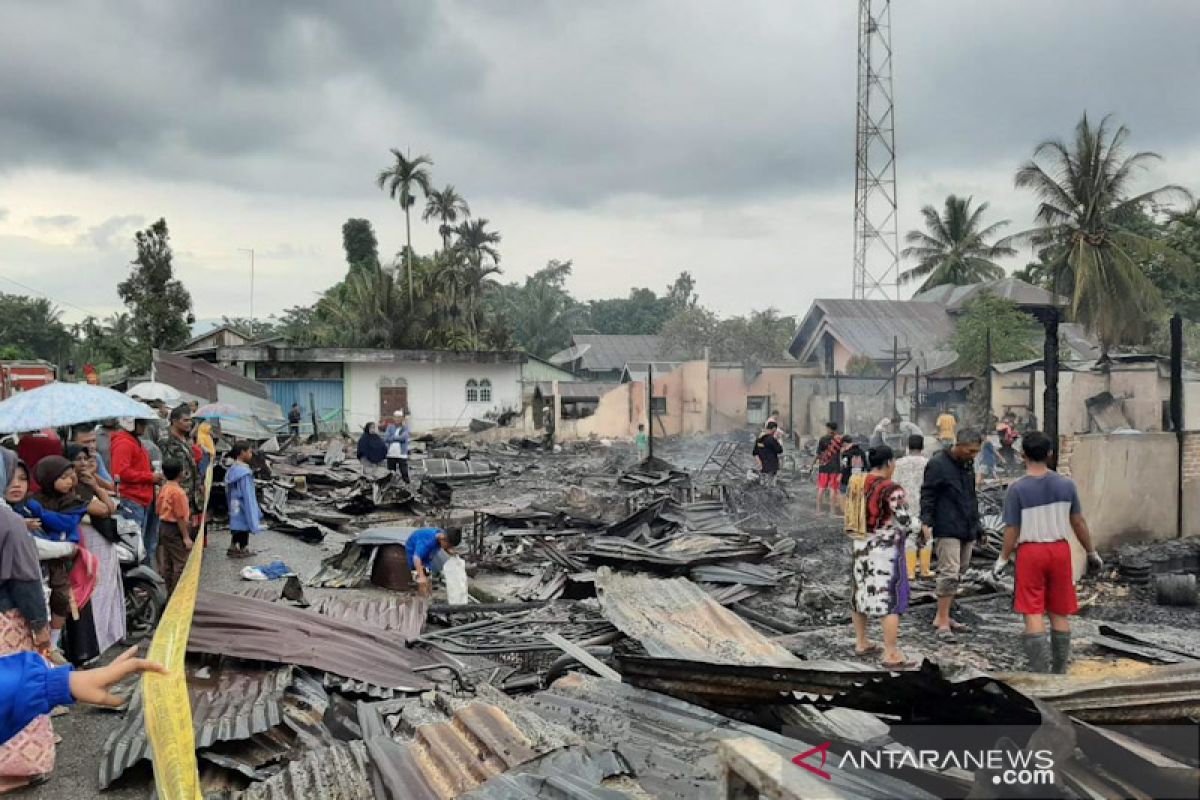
642	442
175	531
244	515
60	511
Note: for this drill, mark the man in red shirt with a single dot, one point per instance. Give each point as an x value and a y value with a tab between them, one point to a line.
135	478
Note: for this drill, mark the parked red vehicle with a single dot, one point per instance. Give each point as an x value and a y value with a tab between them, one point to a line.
21	376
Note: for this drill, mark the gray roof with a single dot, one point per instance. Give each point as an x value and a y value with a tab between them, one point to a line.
603	352
576	390
953	298
867	327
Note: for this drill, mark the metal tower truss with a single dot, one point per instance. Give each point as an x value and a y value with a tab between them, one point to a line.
876	240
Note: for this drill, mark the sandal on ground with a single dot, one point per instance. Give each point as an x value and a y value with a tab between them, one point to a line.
959	627
897	666
870	649
946	635
232	552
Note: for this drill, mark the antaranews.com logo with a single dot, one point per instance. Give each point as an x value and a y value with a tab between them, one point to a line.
1008	767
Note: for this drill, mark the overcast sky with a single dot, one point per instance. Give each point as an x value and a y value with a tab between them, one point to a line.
637	138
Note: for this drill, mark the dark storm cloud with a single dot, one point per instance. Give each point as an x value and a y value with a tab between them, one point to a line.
571	103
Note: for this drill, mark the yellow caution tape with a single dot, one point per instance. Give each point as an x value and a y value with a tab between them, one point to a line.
167	706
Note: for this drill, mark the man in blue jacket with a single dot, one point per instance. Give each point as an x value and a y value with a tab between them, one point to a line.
950	515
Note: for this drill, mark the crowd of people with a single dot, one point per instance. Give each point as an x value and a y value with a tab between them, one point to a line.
71	499
917	517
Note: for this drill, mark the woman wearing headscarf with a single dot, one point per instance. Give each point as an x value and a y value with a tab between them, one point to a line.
72	579
879	576
371	450
24	627
108	599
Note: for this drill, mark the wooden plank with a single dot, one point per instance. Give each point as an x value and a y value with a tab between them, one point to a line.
752	769
583	657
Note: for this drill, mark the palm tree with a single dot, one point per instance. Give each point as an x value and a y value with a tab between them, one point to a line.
401	181
1083	220
954	247
445	205
476	242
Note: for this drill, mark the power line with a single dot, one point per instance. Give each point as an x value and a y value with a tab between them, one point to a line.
48	297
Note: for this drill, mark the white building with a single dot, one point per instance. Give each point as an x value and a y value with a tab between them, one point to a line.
438	388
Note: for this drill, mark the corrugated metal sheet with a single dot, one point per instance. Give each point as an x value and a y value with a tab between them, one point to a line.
254	629
572	773
404	615
338	772
326	394
745	574
578	390
227	704
1155	695
452	471
672	745
613	351
675	618
868	326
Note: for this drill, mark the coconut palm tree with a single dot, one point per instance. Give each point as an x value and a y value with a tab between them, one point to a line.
401	181
446	205
476	246
955	247
1084	214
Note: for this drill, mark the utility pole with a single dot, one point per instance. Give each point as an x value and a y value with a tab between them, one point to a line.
876	238
650	411
250	250
1177	414
987	377
895	376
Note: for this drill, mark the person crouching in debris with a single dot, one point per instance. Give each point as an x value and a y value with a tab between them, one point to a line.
174	533
879	579
244	515
767	450
427	550
1040	510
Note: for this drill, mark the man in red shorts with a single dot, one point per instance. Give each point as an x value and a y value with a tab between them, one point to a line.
1040	510
829	466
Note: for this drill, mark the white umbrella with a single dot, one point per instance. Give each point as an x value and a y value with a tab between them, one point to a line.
153	390
59	404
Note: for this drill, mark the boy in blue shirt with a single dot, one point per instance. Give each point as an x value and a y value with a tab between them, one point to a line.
423	547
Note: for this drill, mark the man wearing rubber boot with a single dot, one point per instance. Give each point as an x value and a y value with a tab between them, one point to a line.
1040	510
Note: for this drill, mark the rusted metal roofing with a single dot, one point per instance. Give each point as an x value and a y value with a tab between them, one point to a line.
672	744
1154	695
675	618
571	773
403	614
338	772
255	629
228	704
448	470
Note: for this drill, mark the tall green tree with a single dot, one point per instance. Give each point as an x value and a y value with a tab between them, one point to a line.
1015	334
642	312
359	243
955	247
1178	278
31	327
541	312
402	180
447	206
761	336
1084	213
160	306
681	294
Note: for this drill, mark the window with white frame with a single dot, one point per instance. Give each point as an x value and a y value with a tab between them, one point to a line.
472	391
485	391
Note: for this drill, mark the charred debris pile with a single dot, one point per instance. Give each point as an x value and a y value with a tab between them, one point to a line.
635	630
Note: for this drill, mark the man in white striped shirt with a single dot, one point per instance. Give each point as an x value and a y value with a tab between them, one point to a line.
1040	511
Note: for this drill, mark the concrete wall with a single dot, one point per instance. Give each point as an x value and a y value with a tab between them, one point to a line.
1142	392
1127	484
866	401
728	390
617	416
436	391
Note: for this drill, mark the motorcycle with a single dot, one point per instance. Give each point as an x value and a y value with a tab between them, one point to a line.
145	590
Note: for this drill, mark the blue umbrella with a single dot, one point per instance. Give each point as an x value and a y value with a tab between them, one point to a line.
58	404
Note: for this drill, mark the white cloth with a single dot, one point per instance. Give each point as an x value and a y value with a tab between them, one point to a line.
108	598
396	450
